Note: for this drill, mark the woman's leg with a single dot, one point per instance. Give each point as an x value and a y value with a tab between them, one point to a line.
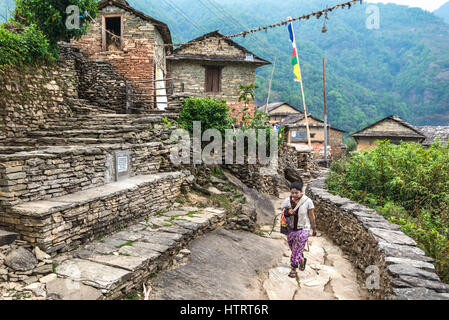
299	240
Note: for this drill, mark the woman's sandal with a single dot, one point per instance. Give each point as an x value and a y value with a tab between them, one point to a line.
292	274
302	267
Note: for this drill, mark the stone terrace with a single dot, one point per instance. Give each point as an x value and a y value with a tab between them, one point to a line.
112	267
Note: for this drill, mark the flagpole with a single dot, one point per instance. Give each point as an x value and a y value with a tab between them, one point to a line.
302	87
325	113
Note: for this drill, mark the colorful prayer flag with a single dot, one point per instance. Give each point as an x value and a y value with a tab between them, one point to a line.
295	61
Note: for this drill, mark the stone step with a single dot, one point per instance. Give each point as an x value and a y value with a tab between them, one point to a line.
63	223
7	237
116	265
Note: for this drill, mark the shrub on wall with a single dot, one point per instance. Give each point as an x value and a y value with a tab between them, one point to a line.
51	17
23	46
213	114
409	185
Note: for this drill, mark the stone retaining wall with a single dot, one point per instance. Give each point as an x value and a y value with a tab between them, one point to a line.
30	95
57	171
62	224
374	244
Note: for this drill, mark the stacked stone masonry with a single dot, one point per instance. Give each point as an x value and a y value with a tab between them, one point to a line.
405	272
63	223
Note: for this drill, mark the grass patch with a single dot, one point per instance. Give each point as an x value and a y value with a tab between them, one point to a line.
100	237
128	243
54	266
133	296
190	214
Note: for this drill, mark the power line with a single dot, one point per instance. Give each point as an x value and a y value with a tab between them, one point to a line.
214	13
316	14
226	14
174	7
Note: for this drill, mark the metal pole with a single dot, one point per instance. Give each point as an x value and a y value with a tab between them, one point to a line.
269	87
325	113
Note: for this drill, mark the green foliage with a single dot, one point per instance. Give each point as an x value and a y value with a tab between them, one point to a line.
408	184
23	46
212	114
50	17
247	93
401	68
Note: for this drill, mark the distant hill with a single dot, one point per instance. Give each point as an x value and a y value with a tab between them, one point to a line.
443	12
402	68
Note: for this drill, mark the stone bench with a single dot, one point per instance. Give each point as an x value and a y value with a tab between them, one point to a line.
63	223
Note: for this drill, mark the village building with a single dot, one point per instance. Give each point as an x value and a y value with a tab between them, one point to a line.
278	110
134	43
296	134
211	66
391	128
434	133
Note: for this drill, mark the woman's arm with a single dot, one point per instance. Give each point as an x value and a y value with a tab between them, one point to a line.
312	221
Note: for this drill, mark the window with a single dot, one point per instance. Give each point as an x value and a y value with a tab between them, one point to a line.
112	33
213	79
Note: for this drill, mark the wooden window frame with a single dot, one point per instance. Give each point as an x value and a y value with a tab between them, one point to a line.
220	69
103	30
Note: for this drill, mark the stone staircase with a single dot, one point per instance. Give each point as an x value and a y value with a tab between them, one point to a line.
114	266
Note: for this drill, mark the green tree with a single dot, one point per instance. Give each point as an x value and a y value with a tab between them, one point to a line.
51	16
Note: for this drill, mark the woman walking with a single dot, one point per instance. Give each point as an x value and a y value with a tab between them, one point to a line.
296	223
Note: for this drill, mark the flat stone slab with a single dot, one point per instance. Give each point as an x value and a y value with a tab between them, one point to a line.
6	237
93	274
407	270
419	294
45	207
391	236
403	251
411	262
66	289
411	282
279	286
126	262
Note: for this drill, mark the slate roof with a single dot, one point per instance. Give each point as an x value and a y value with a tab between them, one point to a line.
291	122
434	132
274	106
177	56
160	26
416	133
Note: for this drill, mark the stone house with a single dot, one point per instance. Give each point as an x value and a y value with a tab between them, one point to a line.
278	110
391	128
296	134
134	43
433	133
212	67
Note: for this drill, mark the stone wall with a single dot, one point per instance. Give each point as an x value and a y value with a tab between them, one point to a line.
31	95
65	223
374	244
57	171
191	75
140	53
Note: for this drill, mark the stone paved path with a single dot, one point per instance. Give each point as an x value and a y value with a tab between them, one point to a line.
328	275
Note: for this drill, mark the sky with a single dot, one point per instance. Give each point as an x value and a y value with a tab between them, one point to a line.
430	5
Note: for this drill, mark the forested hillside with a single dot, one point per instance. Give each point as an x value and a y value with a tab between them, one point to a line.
402	68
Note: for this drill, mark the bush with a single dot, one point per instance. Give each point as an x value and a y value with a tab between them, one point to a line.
212	113
407	184
28	46
50	17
